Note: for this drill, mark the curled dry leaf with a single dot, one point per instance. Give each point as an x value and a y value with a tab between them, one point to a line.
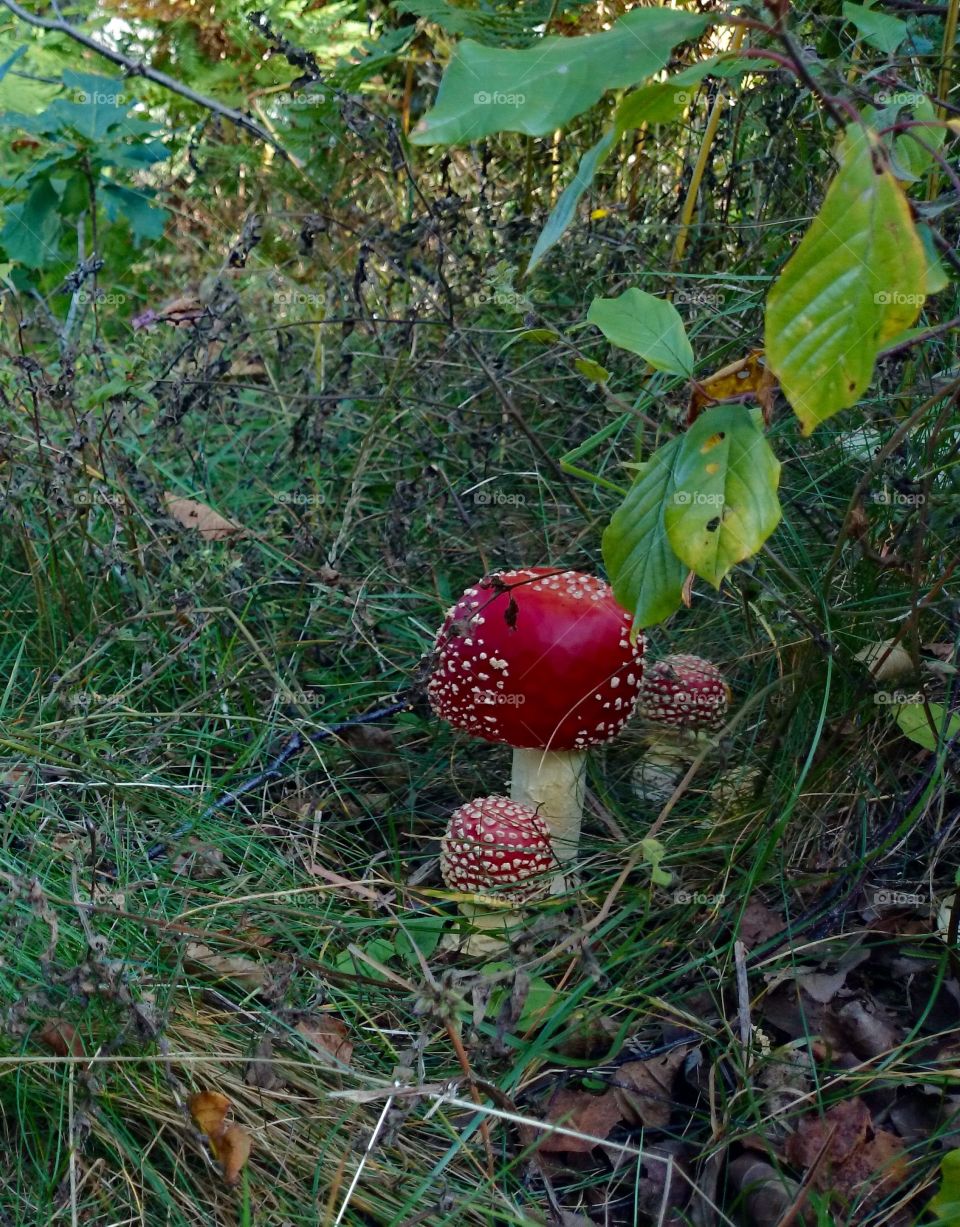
746	379
858	1159
230	1143
210	524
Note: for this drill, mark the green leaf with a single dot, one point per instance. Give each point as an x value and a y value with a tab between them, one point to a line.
912	718
880	30
646	575
645	325
911	158
653	853
592	370
146	220
946	1204
724	503
857	279
663	101
537	89
422	931
562	213
93	104
32	232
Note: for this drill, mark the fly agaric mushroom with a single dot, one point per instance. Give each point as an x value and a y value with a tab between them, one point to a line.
498	852
493	844
682	698
684	692
541	660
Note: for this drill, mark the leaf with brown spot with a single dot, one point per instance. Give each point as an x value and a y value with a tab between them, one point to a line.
329	1034
230	1143
210	524
644	1088
746	379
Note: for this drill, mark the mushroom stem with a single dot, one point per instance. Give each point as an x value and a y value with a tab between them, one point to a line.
553	783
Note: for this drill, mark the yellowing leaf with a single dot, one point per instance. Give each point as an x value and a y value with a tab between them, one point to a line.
747	378
210	524
857	279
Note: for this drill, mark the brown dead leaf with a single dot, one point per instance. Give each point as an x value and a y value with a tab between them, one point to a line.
230	1143
758	924
856	1155
232	1148
226	966
644	1090
595	1115
210	524
61	1038
748	378
329	1034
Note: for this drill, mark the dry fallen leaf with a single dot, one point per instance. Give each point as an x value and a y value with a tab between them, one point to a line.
747	378
859	1160
210	524
329	1034
582	1112
644	1088
230	1143
758	924
61	1038
227	966
247	368
887	661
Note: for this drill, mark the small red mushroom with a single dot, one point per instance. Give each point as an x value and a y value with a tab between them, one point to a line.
496	847
542	660
685	692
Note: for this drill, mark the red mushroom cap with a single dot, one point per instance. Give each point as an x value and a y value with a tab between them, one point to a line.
493	842
684	692
538	658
